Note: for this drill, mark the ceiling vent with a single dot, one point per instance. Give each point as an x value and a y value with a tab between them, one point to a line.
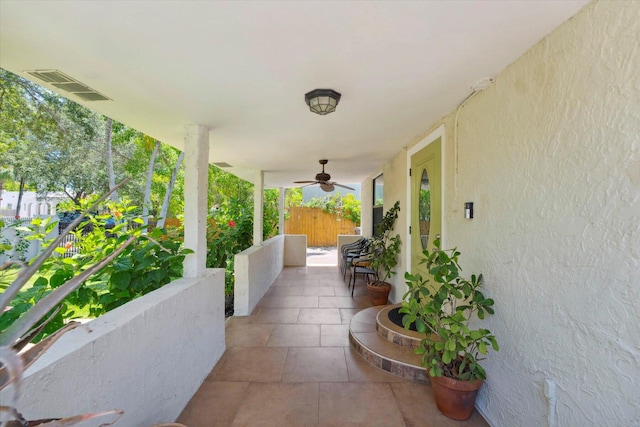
222	165
68	84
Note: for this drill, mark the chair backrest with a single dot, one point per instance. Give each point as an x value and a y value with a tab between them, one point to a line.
354	246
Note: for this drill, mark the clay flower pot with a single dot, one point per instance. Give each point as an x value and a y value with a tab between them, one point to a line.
455	398
379	293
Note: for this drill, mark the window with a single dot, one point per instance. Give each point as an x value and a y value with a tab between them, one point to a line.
378	201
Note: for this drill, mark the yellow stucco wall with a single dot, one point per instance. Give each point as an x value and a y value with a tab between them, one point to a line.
550	156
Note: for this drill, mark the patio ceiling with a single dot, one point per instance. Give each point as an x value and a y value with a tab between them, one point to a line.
242	69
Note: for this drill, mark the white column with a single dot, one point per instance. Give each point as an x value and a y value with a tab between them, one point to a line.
281	202
196	166
258	207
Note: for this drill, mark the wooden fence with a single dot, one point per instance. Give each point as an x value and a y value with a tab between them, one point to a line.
321	228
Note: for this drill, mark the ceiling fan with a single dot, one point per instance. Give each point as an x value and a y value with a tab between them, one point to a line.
323	179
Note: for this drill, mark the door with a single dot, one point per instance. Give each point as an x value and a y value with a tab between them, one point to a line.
426	202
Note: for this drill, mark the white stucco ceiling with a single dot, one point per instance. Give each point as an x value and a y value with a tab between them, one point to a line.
242	68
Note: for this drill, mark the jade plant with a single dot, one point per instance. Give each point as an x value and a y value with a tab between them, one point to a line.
441	307
387	246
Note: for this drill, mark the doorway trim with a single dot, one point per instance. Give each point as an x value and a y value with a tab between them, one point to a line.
439	132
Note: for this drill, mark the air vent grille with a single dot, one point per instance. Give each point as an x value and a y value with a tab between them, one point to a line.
222	165
51	76
66	83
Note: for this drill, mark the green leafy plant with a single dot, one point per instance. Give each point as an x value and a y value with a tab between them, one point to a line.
388	246
351	209
442	310
225	238
121	262
146	265
30	324
150	262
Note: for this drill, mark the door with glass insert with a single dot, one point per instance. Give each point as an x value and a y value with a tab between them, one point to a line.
426	202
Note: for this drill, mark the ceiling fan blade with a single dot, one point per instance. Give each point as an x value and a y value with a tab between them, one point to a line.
343	186
306	185
305	182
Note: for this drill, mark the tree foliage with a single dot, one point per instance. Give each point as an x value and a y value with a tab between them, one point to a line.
56	145
345	206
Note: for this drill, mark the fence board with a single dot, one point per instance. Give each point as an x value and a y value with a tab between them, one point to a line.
321	228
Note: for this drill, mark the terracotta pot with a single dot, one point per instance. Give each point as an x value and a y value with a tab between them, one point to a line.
454	398
379	293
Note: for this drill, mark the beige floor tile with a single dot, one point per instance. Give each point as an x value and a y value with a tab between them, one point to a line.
362	371
314	282
275	315
214	404
323	291
418	407
320	316
295	336
247	364
346	291
333	282
270	302
315	365
342	291
363	300
238	320
307	374
358	404
283	291
337	302
284	283
248	335
300	301
334	335
347	313
279	405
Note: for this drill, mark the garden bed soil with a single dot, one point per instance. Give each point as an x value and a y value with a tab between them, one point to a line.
396	318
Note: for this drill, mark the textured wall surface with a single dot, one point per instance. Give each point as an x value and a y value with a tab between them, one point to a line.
255	270
395	184
550	156
295	250
147	357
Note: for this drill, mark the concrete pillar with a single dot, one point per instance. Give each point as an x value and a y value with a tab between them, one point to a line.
258	207
281	202
196	166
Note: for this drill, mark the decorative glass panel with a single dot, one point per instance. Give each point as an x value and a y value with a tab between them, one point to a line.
424	206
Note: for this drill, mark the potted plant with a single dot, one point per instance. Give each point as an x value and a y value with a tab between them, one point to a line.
387	248
441	307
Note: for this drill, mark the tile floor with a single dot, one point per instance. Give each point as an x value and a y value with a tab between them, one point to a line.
290	364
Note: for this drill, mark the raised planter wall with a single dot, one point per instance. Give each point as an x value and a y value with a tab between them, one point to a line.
147	357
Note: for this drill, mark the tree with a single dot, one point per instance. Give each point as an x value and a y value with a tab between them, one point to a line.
48	139
112	176
147	188
167	196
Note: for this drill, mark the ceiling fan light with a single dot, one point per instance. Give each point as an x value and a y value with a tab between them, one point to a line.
322	101
327	187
